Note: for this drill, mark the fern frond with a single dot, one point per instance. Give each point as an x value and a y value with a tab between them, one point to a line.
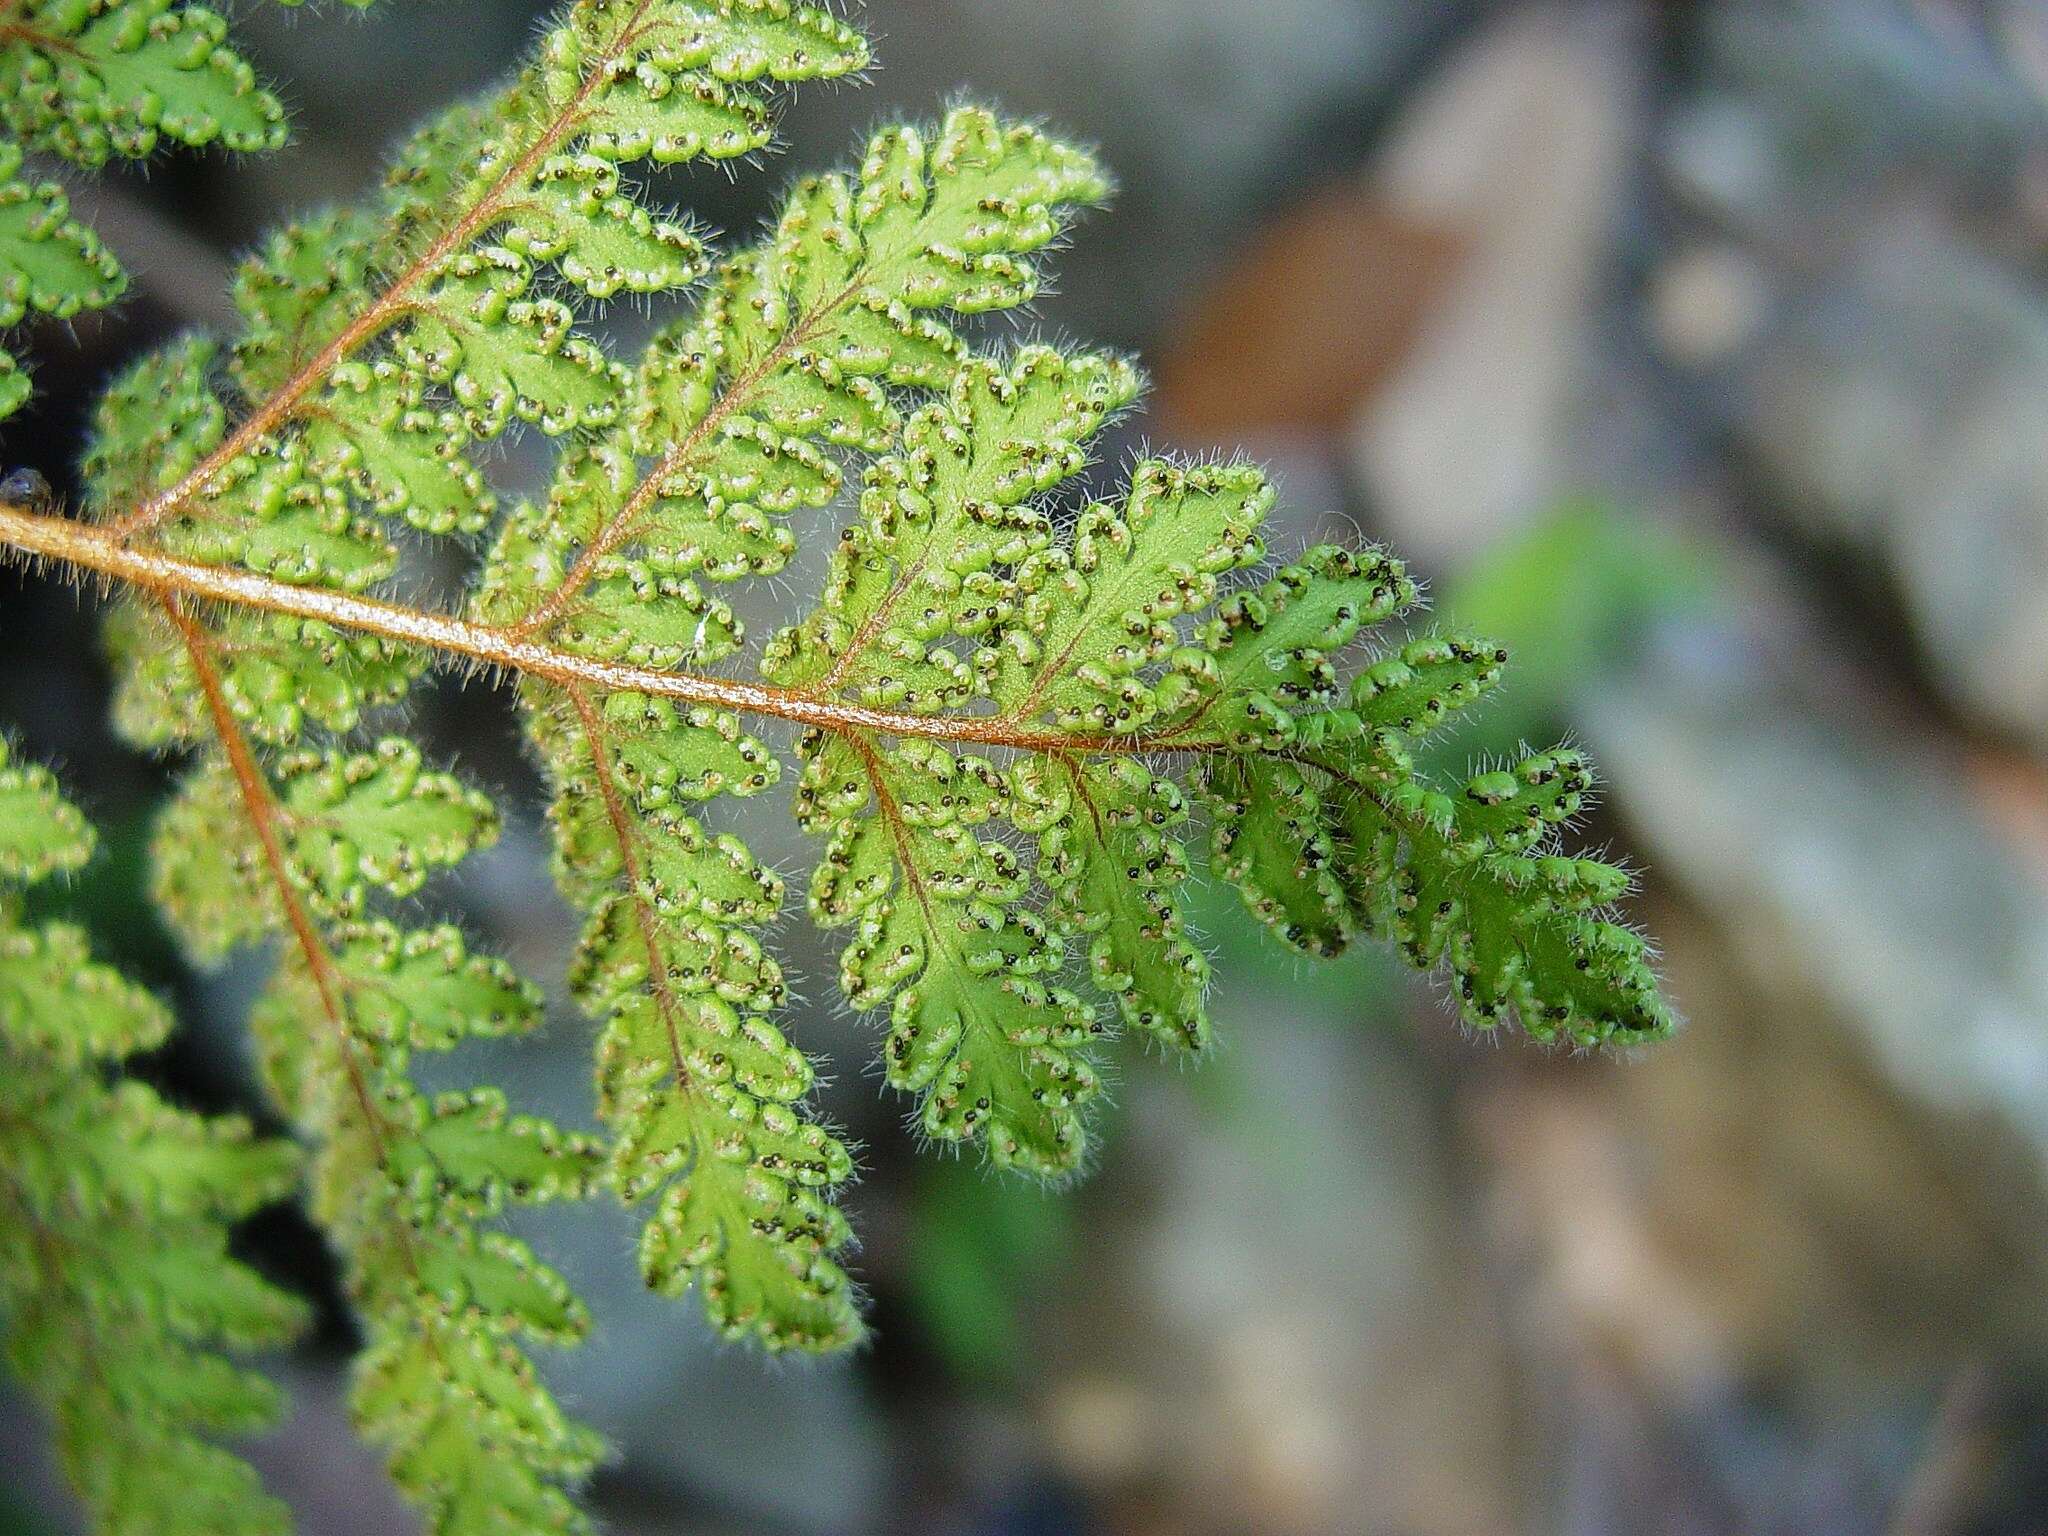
305	847
735	413
979	1024
737	417
117	1293
1012	703
916	614
702	1093
1115	638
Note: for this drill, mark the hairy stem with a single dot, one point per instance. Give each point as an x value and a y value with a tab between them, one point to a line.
262	810
85	547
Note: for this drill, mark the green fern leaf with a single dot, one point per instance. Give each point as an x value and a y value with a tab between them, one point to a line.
116	1286
1017	704
376	819
403	1183
1123	634
425	990
41	833
15	388
92	79
792	355
154	424
701	1091
49	262
279	676
67	1008
1414	692
54	265
304	847
979	1025
89	80
382	345
1114	866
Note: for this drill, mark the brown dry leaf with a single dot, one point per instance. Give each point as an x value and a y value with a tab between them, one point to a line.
1305	324
2011	788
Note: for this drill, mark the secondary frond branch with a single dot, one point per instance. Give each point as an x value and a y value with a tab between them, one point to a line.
383	343
704	1097
420	1310
259	807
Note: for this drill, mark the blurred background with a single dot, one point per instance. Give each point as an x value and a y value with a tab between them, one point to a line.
1699	352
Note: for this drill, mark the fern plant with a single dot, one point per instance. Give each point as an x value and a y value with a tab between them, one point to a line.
1012	707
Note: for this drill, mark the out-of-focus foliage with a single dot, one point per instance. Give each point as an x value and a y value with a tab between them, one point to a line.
986	1248
117	1292
1623	574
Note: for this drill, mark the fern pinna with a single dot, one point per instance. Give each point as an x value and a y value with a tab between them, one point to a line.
115	1283
89	81
1013	704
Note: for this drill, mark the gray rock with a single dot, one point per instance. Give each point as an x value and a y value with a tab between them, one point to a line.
1520	148
1901	409
1289	1325
1849	870
1811	110
1875	166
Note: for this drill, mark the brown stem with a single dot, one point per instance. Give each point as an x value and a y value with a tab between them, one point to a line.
34	37
91	548
385	308
629	857
262	810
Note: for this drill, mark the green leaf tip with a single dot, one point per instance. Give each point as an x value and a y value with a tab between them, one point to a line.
50	263
89	81
41	833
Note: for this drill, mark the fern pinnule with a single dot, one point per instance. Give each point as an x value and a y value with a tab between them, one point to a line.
90	80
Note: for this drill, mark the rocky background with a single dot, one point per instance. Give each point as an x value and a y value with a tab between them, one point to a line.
1699	352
